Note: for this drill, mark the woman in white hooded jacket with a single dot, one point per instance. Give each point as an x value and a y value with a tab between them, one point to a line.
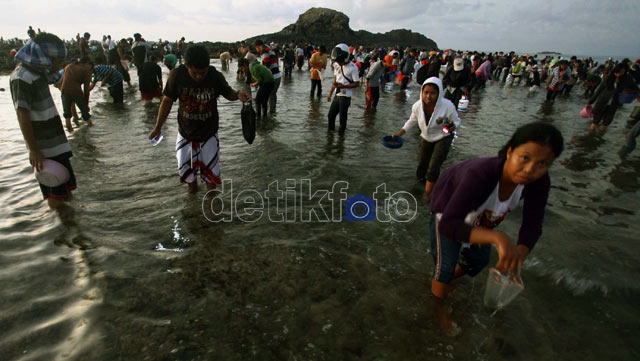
438	119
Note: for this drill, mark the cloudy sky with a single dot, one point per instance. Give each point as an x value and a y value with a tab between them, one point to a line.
582	27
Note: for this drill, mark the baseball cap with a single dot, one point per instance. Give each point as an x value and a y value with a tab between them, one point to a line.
458	64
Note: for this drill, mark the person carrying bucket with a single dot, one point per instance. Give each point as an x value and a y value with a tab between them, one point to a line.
197	85
39	61
456	81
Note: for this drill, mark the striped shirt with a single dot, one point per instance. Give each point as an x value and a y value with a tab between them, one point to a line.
101	71
30	91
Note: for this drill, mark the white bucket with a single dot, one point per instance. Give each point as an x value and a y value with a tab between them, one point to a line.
463	104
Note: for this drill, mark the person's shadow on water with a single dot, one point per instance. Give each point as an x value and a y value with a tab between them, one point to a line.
335	145
71	235
585	156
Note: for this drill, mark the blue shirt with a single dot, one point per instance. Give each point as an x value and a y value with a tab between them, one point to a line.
101	71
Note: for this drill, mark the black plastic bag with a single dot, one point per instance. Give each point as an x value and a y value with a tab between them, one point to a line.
248	116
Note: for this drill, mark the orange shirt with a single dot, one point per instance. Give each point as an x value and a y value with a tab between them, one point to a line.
318	62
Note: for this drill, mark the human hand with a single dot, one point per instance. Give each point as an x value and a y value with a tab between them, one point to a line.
507	252
399	133
244	96
329	98
155	133
36	158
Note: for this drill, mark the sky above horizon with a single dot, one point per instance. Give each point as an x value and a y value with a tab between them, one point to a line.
581	27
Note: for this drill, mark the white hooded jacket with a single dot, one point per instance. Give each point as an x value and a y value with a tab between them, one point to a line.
443	113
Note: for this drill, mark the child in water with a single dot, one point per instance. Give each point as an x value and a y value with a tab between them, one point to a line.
473	197
438	119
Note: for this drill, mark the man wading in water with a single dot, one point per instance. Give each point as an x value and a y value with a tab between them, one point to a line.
198	86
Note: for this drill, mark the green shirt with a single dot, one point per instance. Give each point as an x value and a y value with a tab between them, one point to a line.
260	73
171	60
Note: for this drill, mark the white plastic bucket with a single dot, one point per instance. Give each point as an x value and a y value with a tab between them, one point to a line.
52	174
463	104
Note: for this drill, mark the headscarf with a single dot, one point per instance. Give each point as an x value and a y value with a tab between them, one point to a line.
38	57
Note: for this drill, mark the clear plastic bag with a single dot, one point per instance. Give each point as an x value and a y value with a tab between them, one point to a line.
501	289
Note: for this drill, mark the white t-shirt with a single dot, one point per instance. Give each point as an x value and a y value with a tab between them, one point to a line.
493	211
349	70
300	51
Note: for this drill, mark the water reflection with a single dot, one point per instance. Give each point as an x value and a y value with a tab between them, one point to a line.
584	157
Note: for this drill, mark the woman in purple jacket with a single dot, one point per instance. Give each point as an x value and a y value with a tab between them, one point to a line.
471	198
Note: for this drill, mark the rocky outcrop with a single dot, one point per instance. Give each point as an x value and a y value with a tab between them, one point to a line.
330	27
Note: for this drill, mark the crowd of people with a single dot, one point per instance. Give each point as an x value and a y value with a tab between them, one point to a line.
467	201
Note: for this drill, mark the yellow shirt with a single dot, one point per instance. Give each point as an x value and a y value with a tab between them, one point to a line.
318	62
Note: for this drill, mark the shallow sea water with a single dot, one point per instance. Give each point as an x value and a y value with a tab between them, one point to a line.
143	271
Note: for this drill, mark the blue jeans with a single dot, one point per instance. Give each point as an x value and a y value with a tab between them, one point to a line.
447	254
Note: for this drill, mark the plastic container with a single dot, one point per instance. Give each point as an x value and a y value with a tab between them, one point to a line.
626	98
53	174
586	112
463	104
156	140
390	142
501	289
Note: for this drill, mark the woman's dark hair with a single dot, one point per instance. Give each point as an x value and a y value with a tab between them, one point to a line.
611	77
197	56
541	133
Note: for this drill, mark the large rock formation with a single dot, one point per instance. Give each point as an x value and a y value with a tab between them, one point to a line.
330	27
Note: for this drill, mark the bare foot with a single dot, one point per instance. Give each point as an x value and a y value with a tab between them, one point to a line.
447	325
69	126
193	187
211	186
89	123
452	329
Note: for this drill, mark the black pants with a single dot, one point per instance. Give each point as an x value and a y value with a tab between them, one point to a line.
481	81
339	105
67	102
506	74
567	89
431	155
117	93
604	115
262	98
552	94
316	83
455	96
405	82
375	96
288	68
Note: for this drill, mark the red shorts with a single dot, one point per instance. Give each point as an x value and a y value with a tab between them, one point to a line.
152	94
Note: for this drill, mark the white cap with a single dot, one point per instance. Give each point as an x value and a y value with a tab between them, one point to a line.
458	64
